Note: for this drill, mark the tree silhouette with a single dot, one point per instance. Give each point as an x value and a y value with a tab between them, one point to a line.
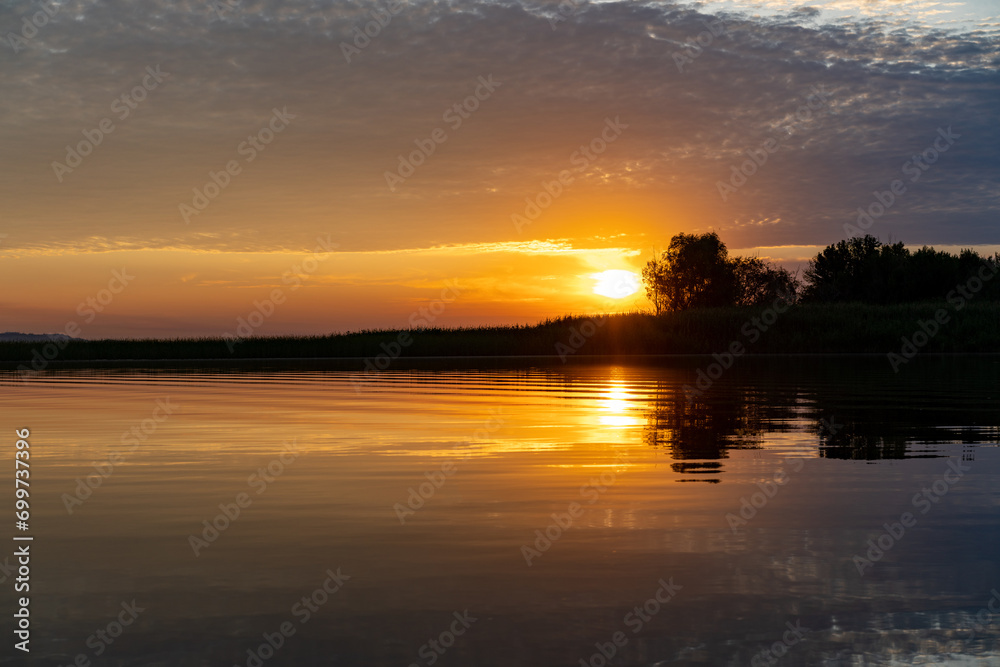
654	277
696	271
759	283
864	269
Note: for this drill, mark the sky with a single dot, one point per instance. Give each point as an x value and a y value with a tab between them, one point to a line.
172	167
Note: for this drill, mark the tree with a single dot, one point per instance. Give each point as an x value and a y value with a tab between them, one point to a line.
842	272
759	282
696	271
654	278
864	269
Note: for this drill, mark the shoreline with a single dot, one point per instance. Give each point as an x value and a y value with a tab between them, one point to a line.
470	362
811	330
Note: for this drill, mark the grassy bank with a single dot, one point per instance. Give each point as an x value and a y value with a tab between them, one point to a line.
841	328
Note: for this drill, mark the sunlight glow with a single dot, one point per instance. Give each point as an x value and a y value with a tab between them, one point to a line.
615	283
615	408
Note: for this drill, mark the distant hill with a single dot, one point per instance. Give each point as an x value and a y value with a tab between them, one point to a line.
17	337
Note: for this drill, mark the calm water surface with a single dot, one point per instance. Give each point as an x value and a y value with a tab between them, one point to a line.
748	508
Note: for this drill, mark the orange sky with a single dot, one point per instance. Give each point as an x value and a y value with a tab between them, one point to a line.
300	141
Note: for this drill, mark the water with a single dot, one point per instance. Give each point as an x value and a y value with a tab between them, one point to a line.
658	481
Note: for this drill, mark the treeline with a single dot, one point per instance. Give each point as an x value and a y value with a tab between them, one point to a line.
807	329
696	271
864	269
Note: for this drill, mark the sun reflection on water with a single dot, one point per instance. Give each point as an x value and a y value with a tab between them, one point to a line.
616	407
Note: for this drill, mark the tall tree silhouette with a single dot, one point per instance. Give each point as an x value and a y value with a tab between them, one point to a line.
696	271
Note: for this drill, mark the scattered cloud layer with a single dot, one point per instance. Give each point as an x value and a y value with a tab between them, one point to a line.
888	83
838	97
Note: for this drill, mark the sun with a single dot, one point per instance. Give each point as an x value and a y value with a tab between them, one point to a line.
615	283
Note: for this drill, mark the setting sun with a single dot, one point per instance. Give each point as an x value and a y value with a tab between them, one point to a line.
616	283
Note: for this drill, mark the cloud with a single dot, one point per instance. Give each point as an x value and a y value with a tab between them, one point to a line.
893	78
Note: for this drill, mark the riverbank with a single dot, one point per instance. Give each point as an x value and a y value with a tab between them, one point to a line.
801	329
